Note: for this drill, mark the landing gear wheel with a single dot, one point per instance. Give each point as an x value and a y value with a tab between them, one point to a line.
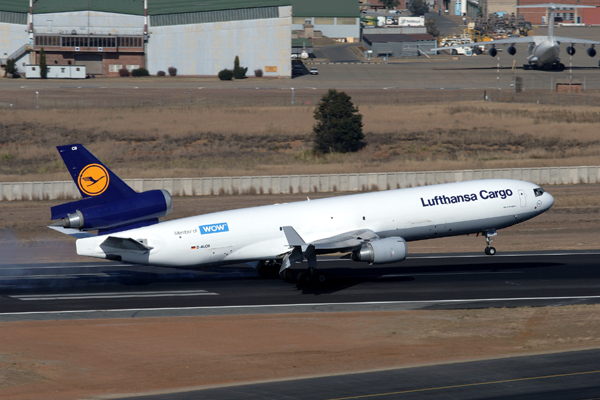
309	278
300	277
287	275
490	251
320	278
263	271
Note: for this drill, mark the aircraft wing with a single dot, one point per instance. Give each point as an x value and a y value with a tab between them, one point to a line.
342	241
345	240
308	251
524	39
567	40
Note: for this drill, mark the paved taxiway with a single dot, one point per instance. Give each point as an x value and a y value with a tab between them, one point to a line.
432	73
572	375
109	289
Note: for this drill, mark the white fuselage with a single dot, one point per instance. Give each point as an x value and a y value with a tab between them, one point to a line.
254	234
544	52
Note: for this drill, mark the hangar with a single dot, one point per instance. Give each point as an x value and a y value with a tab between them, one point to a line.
197	37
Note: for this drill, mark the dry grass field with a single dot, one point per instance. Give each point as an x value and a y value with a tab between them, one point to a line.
261	140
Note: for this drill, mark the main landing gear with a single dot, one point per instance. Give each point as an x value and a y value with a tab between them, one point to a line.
269	269
489	250
311	276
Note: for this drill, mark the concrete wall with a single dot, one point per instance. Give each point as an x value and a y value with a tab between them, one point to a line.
13	37
307	183
205	49
86	22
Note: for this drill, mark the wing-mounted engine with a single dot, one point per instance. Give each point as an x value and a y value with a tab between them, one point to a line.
382	251
96	213
591	51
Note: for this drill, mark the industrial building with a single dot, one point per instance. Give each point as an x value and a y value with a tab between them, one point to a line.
197	37
539	16
336	19
393	44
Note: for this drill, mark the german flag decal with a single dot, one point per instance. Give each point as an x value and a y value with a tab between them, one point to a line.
93	179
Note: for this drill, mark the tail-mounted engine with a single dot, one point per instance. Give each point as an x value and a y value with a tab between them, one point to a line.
382	251
92	214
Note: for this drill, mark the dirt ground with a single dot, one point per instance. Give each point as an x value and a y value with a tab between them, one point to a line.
97	358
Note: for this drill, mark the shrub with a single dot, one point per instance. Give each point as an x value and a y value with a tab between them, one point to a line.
225	74
140	72
11	68
172	71
161	73
124	72
258	73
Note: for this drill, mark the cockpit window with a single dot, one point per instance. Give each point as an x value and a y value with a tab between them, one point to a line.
538	192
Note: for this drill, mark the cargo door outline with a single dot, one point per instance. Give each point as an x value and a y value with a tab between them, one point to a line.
522	198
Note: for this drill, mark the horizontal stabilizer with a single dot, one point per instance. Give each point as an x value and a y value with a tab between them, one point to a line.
76	233
113	243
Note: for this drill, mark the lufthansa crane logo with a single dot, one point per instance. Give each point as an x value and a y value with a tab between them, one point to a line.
93	179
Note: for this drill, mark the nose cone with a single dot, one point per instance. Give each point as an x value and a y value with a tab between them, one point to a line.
548	201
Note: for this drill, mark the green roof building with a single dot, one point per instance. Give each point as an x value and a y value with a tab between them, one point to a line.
334	18
198	37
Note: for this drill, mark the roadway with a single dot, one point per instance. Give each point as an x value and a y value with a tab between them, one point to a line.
110	289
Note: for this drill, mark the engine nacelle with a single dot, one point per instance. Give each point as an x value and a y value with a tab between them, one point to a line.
493	52
512	50
591	52
383	251
571	50
142	207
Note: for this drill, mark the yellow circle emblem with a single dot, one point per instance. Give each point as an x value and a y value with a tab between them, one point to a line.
93	179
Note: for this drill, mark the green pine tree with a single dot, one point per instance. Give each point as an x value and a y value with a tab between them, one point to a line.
43	65
238	72
339	125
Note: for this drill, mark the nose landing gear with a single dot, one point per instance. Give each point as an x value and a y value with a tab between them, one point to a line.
489	250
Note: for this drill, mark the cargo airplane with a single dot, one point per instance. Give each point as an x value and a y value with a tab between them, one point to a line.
543	50
369	227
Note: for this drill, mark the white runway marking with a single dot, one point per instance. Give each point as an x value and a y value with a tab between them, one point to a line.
309	307
117	295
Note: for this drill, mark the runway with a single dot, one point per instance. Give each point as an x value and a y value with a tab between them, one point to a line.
572	375
458	281
115	290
